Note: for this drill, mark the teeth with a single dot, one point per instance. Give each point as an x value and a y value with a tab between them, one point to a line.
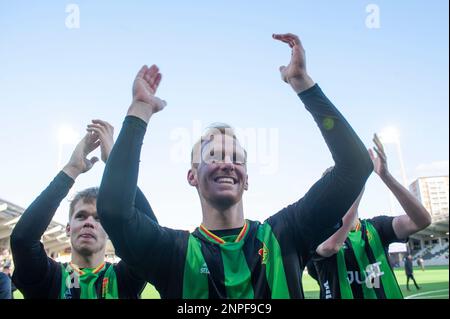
227	180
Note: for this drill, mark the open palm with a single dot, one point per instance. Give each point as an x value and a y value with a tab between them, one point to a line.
145	86
297	66
379	162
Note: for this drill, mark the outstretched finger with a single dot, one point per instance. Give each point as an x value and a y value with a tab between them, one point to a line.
380	154
105	124
378	143
282	39
151	73
98	127
293	38
142	71
95	132
155	84
287	37
93	160
372	156
90	162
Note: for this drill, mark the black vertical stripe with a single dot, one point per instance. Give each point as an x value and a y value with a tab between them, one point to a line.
327	271
294	259
370	255
251	249
99	282
216	278
352	265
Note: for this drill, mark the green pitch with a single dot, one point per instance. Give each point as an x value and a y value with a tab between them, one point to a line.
434	283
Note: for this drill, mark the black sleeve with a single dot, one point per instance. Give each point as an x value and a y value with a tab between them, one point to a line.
146	247
32	266
312	271
129	284
318	215
143	205
384	228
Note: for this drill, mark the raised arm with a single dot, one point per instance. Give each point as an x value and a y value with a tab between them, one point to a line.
318	214
416	217
30	259
105	133
134	234
332	245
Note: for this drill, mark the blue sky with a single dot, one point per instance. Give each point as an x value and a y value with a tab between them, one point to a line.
219	63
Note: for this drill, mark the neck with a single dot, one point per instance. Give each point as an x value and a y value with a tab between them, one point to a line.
218	218
88	261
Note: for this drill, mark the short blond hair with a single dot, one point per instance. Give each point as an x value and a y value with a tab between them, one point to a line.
207	137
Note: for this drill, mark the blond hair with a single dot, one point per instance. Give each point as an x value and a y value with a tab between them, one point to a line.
212	130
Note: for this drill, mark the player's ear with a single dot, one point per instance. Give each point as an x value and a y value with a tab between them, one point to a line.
246	183
68	230
192	177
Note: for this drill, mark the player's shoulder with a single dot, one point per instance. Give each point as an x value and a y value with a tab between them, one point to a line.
380	219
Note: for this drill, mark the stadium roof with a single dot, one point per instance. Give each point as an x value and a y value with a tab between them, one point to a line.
54	238
438	229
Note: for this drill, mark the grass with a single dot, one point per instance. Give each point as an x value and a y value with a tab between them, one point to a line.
434	283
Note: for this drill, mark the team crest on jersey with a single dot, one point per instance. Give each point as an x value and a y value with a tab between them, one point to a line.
204	269
264	253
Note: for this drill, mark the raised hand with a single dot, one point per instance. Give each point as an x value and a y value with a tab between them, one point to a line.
105	133
380	161
144	88
79	163
295	72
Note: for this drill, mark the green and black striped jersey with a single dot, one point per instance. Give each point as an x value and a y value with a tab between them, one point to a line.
38	276
361	269
266	259
262	261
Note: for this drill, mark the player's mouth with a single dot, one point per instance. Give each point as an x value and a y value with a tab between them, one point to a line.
87	236
230	180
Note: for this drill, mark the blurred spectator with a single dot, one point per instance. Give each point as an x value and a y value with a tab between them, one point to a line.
409	272
421	263
7	272
5	258
5	286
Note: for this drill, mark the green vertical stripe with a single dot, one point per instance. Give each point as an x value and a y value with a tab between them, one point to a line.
238	281
276	276
64	282
390	284
345	289
363	261
195	279
111	290
87	283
